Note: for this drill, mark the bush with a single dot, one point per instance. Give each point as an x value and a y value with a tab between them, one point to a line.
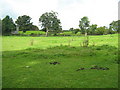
101	31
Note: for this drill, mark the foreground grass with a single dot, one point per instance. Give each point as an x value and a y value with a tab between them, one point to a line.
41	74
26	66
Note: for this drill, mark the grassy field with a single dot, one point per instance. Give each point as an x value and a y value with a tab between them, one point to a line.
42	33
30	32
27	62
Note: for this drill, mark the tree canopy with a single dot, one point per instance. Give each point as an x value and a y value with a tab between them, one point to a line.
24	23
8	25
50	22
34	27
52	25
114	26
101	30
84	25
92	29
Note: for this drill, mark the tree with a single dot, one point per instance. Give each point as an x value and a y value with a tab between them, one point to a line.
24	23
43	29
34	27
8	26
84	25
113	26
101	30
50	22
92	29
76	30
71	29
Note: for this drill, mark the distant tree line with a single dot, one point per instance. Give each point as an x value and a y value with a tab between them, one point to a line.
51	24
23	23
87	29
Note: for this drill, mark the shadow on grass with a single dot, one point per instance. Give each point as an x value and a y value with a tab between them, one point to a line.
65	52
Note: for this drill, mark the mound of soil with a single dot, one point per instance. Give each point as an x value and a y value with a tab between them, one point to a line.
80	69
54	63
95	67
100	68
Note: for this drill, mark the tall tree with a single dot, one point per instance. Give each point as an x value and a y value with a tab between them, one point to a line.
50	22
24	23
8	25
84	25
114	26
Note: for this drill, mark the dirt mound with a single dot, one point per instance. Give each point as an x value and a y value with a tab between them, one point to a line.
93	68
54	63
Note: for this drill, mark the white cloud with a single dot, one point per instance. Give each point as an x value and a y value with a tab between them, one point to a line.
100	12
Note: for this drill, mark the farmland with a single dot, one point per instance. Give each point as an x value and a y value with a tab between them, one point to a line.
27	62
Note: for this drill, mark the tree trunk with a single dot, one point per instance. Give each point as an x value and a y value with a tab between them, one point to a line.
86	42
85	33
46	32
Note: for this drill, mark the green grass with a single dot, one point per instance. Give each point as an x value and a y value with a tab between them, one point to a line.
69	33
19	43
34	32
18	53
64	33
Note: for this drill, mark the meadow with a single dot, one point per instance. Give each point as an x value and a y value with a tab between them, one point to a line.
42	33
28	62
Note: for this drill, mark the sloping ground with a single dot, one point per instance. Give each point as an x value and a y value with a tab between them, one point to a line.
31	68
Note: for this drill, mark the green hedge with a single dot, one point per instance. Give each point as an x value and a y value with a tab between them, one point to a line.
32	33
64	33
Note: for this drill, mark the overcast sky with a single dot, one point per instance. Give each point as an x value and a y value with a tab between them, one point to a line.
100	12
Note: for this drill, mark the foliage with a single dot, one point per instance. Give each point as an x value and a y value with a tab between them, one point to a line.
23	22
113	26
92	29
74	31
101	30
32	32
52	25
110	31
50	22
71	29
42	33
43	29
8	26
84	25
34	27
